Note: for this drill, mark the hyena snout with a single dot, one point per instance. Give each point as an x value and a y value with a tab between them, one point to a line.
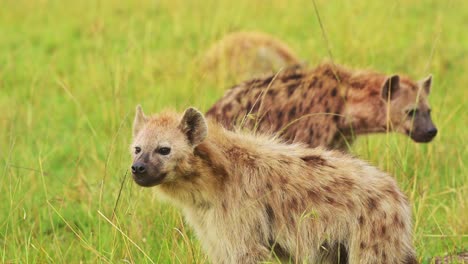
424	135
146	174
138	168
432	132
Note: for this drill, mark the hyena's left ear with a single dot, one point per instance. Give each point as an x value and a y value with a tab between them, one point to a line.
426	84
390	87
193	125
139	121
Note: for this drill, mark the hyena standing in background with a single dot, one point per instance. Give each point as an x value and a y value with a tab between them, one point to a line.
250	198
329	105
243	55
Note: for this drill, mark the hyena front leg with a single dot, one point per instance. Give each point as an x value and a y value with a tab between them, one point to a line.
254	255
242	254
247	244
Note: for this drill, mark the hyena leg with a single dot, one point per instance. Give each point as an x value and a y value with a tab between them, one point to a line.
389	249
252	255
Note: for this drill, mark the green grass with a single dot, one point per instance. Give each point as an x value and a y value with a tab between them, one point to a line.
71	73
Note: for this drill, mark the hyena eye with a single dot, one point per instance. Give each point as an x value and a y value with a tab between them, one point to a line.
137	150
164	150
411	112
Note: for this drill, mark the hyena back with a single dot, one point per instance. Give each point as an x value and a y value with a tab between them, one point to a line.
251	198
328	106
243	55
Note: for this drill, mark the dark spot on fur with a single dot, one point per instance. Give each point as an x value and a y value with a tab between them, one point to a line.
373	93
313	82
328	72
312	195
376	249
294	206
397	221
358	85
270	213
384	230
283	180
292	112
279	115
330	200
248	106
372	203
319	84
258	82
336	118
291	89
267	81
347	183
224	205
219	172
362	245
272	92
334	92
227	108
191	176
294	76
361	220
268	186
314	160
327	110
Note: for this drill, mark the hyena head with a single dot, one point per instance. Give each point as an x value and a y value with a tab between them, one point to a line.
408	107
162	142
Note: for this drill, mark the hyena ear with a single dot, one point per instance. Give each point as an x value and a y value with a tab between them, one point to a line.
193	125
139	121
426	84
390	87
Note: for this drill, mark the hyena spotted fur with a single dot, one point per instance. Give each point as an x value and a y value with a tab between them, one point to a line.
329	105
251	198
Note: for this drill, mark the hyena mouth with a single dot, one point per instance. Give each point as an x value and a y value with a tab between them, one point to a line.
149	181
420	138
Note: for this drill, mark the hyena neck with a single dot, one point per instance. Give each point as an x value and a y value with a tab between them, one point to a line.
364	111
200	179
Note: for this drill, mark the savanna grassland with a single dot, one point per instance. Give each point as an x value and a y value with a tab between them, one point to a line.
71	73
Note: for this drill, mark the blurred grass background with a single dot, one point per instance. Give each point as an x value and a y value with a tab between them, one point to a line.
71	73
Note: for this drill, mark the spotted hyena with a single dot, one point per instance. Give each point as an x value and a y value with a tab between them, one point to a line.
243	55
251	198
329	105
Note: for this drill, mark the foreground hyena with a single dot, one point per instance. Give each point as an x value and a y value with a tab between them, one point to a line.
251	198
329	105
244	55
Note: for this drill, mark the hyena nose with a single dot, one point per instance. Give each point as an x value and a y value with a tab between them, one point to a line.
138	168
432	132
